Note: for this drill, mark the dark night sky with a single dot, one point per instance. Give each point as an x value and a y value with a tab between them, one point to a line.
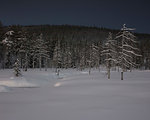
100	13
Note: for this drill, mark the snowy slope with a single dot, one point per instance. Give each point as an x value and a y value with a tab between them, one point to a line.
4	88
75	95
7	79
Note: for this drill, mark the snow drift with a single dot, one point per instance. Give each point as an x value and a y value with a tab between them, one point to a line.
4	88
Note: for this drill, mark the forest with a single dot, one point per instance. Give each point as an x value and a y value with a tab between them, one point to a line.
68	46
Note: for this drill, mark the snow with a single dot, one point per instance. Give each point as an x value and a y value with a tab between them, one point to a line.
57	84
10	33
76	96
4	88
17	83
8	81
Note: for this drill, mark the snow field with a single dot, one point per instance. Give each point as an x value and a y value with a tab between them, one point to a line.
8	80
78	96
4	88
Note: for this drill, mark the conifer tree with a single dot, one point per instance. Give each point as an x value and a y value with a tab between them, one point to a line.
67	58
109	53
8	43
41	51
12	43
17	71
82	59
57	56
93	60
25	49
127	49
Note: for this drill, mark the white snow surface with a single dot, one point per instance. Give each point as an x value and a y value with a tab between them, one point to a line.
7	81
75	95
4	88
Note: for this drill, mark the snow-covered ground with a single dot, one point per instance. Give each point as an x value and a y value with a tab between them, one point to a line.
74	95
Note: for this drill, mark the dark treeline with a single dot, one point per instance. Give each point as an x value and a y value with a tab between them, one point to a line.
59	46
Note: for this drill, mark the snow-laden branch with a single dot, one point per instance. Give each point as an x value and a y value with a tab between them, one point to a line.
125	45
132	52
129	62
111	59
9	33
108	51
126	55
130	39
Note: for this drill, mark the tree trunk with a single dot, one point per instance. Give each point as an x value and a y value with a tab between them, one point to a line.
130	68
89	70
46	64
21	63
99	68
26	62
122	75
108	73
40	63
58	72
33	63
118	68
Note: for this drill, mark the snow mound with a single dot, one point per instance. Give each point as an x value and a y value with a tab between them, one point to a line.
85	72
4	88
17	82
58	84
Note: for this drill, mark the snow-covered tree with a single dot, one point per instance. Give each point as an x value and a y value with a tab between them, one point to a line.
12	44
100	48
8	43
33	50
17	71
41	52
25	48
127	49
82	59
57	56
109	53
94	57
67	58
8	39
